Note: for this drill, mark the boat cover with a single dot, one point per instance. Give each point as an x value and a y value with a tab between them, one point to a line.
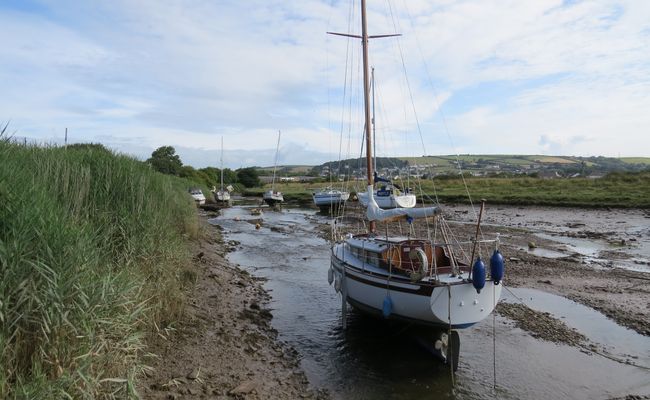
374	213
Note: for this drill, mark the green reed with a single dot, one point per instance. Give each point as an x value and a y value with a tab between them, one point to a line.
93	248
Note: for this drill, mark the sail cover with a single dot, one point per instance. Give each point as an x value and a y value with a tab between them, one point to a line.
374	213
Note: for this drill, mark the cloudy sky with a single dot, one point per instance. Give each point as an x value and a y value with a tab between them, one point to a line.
482	77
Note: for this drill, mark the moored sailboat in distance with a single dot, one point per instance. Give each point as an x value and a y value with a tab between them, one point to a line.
429	280
271	197
388	195
222	196
329	199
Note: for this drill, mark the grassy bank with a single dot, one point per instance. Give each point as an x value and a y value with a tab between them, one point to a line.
92	248
628	190
623	190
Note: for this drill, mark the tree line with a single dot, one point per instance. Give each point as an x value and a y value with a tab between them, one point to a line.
165	160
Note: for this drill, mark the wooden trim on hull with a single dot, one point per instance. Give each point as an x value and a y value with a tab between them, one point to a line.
424	289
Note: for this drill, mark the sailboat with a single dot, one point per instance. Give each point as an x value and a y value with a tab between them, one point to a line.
387	194
271	197
329	198
429	280
222	196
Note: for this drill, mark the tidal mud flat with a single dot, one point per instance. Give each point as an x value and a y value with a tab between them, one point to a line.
597	257
283	274
225	346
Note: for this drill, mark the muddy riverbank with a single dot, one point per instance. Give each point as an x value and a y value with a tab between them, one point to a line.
573	351
225	346
229	347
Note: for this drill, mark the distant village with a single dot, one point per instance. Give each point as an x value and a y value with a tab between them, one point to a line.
450	166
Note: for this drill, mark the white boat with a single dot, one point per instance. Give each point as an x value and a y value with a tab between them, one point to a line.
431	280
328	198
389	196
272	197
222	196
197	195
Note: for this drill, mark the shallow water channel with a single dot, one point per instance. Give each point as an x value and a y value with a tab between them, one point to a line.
374	359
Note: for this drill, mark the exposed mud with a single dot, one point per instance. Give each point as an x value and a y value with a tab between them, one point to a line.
225	346
541	325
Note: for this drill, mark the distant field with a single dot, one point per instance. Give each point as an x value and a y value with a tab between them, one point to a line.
636	160
554	160
626	191
286	170
618	190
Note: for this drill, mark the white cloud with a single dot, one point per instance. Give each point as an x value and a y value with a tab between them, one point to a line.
184	73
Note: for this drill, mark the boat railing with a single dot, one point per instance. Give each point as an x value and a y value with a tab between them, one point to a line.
419	258
343	225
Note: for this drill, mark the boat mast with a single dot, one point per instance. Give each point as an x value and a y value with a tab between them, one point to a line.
366	101
374	122
221	164
275	164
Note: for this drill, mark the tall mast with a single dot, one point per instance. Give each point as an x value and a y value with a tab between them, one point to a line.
275	164
374	122
366	100
366	91
221	164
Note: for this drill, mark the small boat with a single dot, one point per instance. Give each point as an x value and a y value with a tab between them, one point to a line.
388	195
330	199
271	197
222	196
431	280
197	195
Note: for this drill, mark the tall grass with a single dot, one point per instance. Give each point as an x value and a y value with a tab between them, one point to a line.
92	250
625	190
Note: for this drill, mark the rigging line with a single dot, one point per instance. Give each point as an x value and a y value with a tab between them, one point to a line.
439	108
450	348
494	338
396	26
345	85
514	295
349	59
384	128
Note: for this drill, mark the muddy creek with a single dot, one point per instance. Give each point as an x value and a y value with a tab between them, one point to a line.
374	359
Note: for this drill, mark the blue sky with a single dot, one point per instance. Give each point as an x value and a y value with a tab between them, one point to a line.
533	77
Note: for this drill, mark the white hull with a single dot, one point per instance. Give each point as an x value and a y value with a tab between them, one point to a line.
222	196
272	198
198	197
424	302
390	201
330	198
